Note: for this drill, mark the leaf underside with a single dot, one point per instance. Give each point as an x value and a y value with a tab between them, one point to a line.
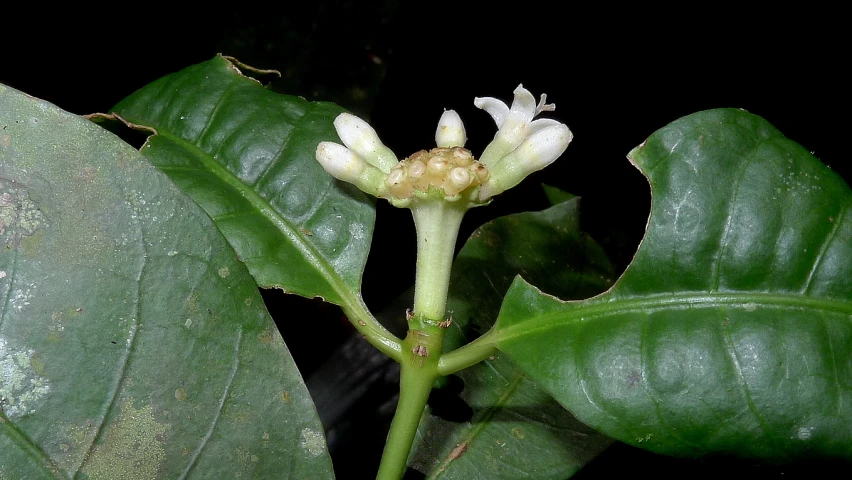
515	429
133	343
247	156
731	331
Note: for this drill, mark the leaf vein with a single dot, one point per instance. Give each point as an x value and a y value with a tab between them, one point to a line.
834	368
7	295
584	387
212	118
316	205
267	211
824	248
731	350
222	400
480	423
351	302
666	301
128	351
716	265
643	368
261	179
34	450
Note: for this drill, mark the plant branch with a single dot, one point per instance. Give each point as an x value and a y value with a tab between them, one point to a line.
437	223
468	355
418	373
373	331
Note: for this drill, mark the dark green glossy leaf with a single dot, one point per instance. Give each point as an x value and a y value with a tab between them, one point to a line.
556	195
731	331
516	429
247	156
133	343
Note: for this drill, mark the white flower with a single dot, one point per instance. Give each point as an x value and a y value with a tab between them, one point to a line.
450	131
538	151
522	144
515	124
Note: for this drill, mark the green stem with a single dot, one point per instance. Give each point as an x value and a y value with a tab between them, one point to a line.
437	224
418	372
470	354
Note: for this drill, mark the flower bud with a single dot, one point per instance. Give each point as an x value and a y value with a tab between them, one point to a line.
543	147
450	131
360	137
538	151
339	161
345	165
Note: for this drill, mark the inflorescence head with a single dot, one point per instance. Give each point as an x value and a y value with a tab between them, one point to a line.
448	173
521	146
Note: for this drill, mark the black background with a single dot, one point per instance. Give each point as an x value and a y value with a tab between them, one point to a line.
615	75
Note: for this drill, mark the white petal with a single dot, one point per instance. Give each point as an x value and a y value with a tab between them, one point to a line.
362	139
450	131
543	147
541	124
356	133
524	104
339	161
515	125
346	165
538	151
497	109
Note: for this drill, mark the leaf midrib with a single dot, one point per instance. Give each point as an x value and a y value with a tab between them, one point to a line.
268	212
592	309
40	458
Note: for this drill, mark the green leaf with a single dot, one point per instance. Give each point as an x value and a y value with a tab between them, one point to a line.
247	156
731	331
516	429
556	195
133	343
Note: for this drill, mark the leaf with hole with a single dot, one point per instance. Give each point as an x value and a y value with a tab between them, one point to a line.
731	331
133	342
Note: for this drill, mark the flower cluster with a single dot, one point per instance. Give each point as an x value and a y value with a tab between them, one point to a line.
521	146
448	171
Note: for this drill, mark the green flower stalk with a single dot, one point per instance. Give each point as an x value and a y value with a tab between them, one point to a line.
439	186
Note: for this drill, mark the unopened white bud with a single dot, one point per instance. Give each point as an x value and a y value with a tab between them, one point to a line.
362	139
543	147
538	151
339	161
345	165
450	131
